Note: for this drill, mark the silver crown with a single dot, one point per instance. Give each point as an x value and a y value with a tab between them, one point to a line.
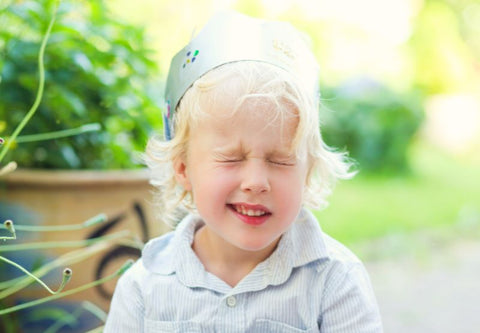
230	37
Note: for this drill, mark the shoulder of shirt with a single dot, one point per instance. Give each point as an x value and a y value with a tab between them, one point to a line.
337	251
158	244
311	238
157	252
307	245
338	259
158	255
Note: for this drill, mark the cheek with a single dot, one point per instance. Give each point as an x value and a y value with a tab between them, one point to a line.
298	184
291	184
213	182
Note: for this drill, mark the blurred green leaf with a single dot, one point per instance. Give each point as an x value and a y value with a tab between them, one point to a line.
98	70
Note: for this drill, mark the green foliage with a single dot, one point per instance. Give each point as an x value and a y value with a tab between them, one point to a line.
441	192
98	70
372	123
446	45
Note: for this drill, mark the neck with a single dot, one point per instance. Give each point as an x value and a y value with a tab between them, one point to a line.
223	259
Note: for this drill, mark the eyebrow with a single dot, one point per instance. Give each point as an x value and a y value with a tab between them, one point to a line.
229	148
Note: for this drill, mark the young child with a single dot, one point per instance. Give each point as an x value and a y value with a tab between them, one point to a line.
243	156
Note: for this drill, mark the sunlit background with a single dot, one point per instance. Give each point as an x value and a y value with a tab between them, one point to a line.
400	82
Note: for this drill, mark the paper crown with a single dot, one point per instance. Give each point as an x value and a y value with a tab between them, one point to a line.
229	37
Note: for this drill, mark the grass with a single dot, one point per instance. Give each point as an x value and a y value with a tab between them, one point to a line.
441	191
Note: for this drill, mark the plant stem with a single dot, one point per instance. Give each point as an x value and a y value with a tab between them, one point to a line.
73	319
119	272
95	310
11	286
10	167
86	306
66	244
8	224
4	238
100	218
41	85
58	134
62	285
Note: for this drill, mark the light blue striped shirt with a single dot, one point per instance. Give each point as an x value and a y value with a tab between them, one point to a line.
310	283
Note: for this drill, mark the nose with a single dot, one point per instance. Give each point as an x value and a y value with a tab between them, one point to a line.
255	177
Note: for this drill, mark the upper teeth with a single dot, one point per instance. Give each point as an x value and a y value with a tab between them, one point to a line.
249	212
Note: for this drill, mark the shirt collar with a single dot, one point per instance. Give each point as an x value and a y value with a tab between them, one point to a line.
162	255
172	253
302	244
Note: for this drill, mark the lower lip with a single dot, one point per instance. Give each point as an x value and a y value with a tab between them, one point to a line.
251	220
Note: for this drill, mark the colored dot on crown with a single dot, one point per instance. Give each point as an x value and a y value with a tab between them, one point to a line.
188	60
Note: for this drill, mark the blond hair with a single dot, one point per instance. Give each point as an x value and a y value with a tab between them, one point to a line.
257	80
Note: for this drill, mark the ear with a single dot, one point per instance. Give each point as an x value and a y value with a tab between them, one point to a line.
181	175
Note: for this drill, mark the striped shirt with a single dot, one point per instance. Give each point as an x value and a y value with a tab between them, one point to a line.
310	283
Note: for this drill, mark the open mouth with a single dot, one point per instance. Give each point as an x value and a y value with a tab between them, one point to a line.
250	210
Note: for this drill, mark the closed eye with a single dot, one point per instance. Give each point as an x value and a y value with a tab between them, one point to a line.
283	163
229	160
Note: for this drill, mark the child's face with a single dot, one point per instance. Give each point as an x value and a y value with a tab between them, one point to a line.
247	182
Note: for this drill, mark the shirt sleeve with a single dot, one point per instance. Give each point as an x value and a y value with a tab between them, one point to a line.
349	304
126	309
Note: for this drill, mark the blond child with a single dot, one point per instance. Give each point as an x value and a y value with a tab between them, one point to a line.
242	157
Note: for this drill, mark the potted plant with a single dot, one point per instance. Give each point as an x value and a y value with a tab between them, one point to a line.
99	84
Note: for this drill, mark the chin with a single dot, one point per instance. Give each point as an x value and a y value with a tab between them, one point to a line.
257	245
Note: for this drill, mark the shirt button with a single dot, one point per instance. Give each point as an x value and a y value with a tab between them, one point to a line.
231	301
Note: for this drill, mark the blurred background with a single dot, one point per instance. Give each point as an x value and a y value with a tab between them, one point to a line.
400	84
